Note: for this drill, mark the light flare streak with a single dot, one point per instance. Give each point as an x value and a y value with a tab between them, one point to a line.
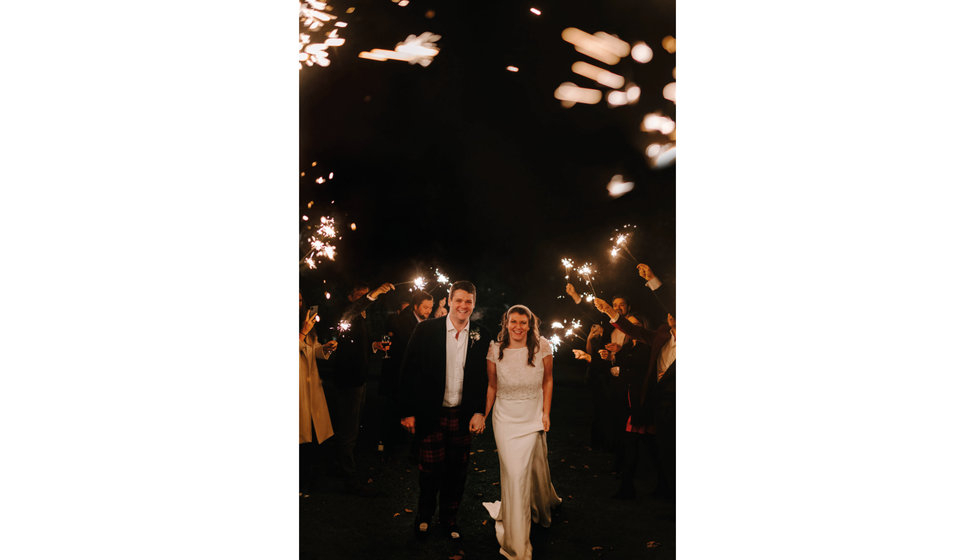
414	50
617	187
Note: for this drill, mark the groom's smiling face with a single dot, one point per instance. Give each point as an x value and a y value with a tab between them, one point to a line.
461	306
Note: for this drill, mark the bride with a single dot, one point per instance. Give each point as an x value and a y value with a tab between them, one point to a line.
520	382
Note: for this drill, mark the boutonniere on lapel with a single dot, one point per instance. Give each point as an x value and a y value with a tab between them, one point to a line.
474	336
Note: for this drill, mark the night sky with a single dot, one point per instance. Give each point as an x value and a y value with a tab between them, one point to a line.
478	171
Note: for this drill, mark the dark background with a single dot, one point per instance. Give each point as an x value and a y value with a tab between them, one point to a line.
478	171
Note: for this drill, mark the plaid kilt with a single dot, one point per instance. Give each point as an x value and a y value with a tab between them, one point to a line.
448	446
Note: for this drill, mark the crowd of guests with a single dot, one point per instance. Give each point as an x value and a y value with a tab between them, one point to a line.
629	359
631	377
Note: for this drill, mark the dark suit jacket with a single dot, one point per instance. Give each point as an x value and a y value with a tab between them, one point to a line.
400	329
348	367
423	374
663	392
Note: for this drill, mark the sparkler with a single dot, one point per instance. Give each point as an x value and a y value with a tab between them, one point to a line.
568	264
555	342
620	243
442	278
588	274
569	329
418	283
319	246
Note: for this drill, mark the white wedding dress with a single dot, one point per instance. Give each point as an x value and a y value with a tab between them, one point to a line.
526	492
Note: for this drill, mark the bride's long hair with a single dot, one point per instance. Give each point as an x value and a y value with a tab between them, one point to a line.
532	332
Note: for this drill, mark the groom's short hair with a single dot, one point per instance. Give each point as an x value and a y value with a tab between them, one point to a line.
464	285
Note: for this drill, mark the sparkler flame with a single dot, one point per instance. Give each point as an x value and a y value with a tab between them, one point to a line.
557	325
344	326
621	243
319	246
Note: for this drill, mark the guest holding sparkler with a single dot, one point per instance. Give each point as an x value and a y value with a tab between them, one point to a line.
314	416
400	329
653	404
635	408
346	381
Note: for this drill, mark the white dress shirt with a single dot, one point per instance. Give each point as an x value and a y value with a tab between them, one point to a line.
617	337
456	345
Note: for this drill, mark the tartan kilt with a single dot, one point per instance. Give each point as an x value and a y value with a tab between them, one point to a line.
448	444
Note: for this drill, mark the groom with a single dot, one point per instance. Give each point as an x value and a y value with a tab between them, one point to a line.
445	391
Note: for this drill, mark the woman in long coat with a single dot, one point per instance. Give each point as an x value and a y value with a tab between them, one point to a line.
314	417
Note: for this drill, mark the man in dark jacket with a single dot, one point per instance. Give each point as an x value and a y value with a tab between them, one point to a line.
346	378
444	380
400	328
653	399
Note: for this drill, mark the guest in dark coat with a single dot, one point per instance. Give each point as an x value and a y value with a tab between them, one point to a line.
346	378
399	331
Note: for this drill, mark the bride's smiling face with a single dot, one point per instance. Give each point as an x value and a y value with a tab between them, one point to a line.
517	327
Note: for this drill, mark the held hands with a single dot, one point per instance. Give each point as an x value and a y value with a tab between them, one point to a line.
614	371
604	354
546	421
330	346
613	347
409	424
478	423
570	290
582	355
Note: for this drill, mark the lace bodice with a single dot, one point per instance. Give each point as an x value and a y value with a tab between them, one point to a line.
516	380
